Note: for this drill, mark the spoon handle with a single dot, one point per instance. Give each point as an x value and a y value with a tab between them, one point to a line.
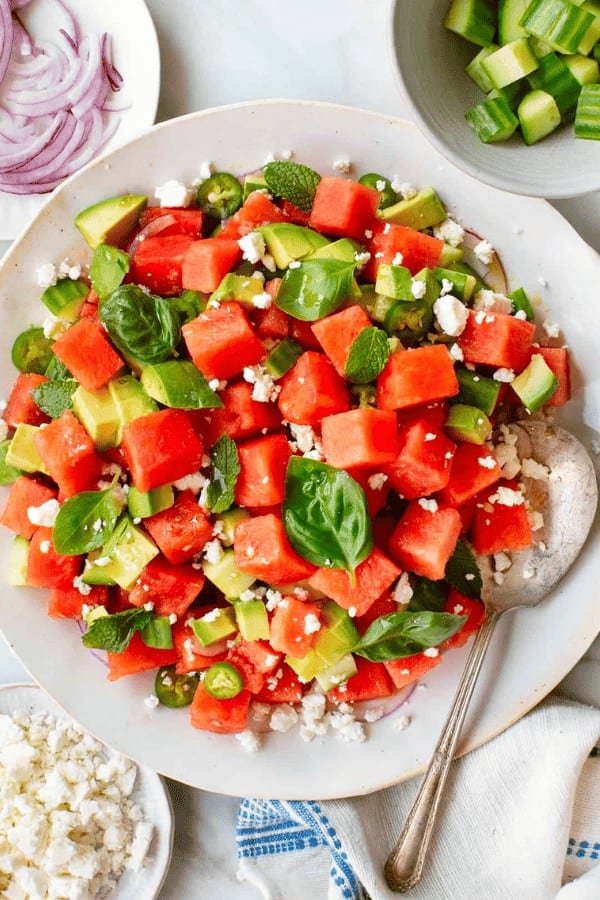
404	866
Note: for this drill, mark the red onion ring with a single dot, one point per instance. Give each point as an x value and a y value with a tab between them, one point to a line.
155	226
494	274
56	112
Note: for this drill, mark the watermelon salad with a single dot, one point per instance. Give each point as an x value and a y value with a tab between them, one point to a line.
257	444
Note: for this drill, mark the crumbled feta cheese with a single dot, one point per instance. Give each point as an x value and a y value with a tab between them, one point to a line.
447	287
456	353
45	547
430	436
536	519
283	717
406	190
377	481
502	562
262	301
520	314
368	234
504	375
498	578
401	722
432	652
274	599
504	496
342	165
295	264
151	702
311	624
542	281
264	387
250	741
149	606
451	315
45	514
552	329
206	169
67	269
418	289
173	193
213	551
450	232
194	483
403	592
487	462
362	258
68	826
53	326
533	469
172	620
352	612
252	246
217	384
211	616
429	505
484	252
373	715
398	259
46	275
490	301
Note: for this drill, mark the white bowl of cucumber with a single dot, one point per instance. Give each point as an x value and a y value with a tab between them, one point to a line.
508	91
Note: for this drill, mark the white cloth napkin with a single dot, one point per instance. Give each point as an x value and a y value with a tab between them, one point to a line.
521	821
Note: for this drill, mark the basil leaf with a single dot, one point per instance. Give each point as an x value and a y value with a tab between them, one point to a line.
315	288
406	633
54	397
188	305
325	515
368	355
57	371
140	324
293	182
108	268
8	473
462	572
84	522
427	595
225	471
114	632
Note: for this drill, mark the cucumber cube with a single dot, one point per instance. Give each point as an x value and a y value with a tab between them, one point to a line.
142	504
179	384
255	182
587	118
474	20
65	298
468	424
510	13
583	69
539	115
510	63
561	24
555	77
395	282
477	390
493	120
475	70
521	301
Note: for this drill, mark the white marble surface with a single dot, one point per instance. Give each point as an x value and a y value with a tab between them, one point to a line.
226	51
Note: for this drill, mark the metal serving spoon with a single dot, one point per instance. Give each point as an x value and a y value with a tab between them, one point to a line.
568	501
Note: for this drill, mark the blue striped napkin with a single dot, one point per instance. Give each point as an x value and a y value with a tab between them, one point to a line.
521	822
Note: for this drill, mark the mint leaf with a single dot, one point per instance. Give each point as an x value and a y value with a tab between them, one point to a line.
54	397
325	515
368	355
315	288
114	632
406	633
225	471
427	595
84	522
293	182
108	268
462	572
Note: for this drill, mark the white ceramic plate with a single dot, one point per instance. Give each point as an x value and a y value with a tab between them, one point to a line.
531	652
135	54
149	793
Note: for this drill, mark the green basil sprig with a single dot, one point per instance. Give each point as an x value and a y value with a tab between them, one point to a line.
54	397
140	324
225	471
108	268
114	632
368	355
292	181
406	633
325	515
315	288
85	522
427	595
462	572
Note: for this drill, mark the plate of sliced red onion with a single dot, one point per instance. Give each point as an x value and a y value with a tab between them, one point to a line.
76	78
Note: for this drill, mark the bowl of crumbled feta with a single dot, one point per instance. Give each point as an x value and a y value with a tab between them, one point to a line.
77	820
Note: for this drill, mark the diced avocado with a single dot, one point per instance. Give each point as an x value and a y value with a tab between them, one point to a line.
178	383
254	182
287	242
96	612
122	559
463	284
22	453
17	562
98	413
65	298
111	221
242	288
8	473
423	210
252	620
157	633
463	267
344	249
130	398
449	255
536	383
226	575
467	424
477	390
394	281
230	519
338	673
215	625
142	504
338	636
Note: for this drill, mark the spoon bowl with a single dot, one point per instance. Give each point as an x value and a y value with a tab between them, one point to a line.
567	498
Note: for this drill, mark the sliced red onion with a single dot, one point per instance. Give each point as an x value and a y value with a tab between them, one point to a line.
385	705
155	226
56	112
494	274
